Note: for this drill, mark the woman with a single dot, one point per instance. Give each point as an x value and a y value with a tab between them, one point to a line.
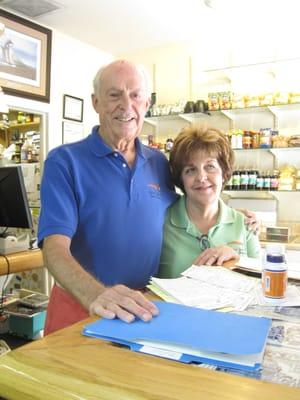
199	227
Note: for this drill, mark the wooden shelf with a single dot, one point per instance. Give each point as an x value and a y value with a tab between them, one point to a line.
23	125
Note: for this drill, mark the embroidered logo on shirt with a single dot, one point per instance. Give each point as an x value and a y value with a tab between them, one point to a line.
154	186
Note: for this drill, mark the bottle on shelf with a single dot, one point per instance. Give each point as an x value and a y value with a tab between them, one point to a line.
239	139
247	140
228	185
29	153
150	112
244	180
274	182
259	182
267	181
24	151
236	180
233	139
252	179
169	145
255	139
20	117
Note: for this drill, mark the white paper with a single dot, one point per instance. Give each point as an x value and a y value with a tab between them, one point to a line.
209	292
221	277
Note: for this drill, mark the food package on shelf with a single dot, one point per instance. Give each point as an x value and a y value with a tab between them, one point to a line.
281	98
266	99
251	101
294	97
213	101
280	141
294	141
225	100
237	101
287	178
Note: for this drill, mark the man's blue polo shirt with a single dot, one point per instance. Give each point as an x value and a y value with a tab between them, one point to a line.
114	214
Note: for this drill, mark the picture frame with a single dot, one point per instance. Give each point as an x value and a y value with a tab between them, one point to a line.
25	57
72	132
72	108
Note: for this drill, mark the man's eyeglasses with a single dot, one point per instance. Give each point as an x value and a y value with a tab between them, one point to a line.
204	242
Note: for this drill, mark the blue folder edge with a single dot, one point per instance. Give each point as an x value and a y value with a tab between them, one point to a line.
185	322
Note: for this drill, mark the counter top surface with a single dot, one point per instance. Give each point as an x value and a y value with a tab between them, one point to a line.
67	365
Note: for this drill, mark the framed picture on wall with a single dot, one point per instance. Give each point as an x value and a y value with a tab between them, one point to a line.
72	108
25	57
72	132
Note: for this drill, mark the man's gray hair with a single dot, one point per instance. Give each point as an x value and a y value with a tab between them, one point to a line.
143	71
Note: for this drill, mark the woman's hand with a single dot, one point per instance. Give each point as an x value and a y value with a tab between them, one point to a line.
216	256
251	220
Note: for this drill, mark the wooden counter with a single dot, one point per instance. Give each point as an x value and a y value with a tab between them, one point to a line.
22	261
67	365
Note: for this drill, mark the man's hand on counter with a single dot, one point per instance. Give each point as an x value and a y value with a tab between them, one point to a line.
121	302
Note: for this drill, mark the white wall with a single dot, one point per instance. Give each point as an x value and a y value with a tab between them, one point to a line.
74	65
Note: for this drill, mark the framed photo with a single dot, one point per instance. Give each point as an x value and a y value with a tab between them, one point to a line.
71	132
25	57
73	108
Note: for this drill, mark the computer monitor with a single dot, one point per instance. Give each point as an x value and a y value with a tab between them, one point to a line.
14	207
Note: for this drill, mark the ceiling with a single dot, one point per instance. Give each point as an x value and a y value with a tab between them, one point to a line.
119	26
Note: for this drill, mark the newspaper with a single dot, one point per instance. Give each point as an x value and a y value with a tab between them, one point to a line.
289	314
281	365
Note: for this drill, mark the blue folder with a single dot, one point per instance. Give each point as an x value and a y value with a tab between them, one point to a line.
191	335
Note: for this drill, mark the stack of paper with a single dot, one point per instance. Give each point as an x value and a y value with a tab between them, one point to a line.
191	335
208	287
214	288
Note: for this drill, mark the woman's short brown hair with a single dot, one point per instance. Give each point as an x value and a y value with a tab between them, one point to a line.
200	137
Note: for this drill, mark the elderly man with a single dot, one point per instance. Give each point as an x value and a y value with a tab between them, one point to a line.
103	205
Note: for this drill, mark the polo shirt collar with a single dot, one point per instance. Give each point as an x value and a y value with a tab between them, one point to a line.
101	149
180	219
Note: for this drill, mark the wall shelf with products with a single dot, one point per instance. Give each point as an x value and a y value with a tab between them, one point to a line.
231	113
282	117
